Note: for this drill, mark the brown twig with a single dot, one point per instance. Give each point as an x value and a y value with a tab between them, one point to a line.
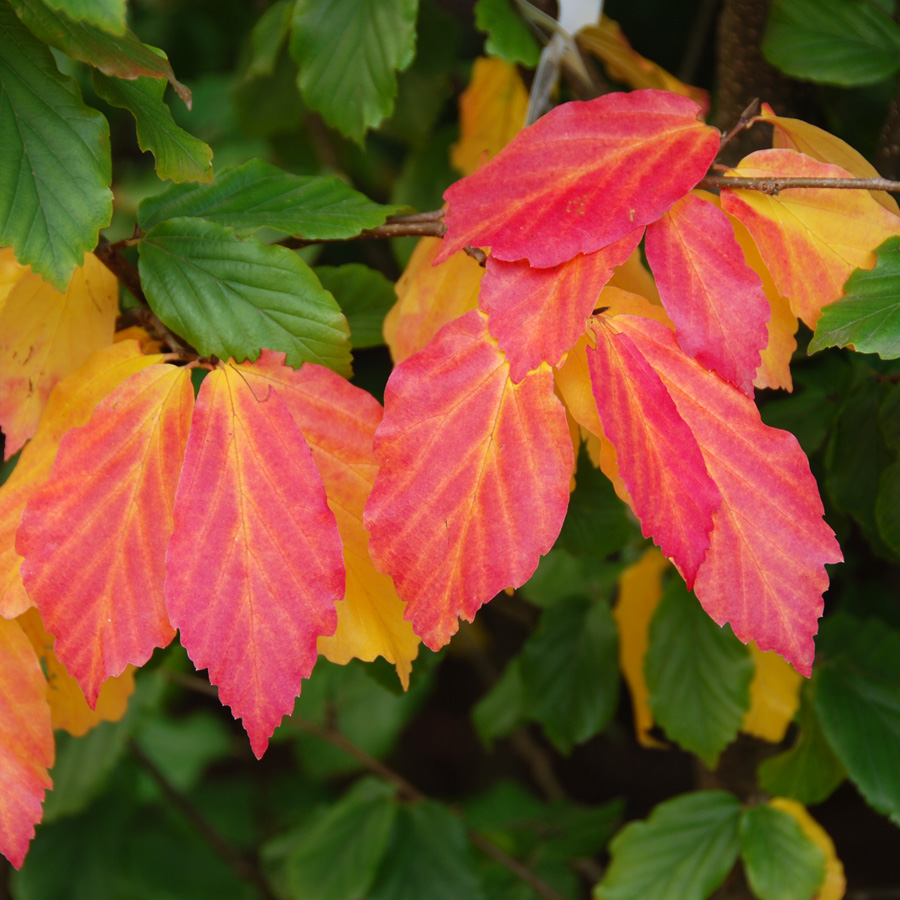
745	121
244	868
426	224
773	186
121	267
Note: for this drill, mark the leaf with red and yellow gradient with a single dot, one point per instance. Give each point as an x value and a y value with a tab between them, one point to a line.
659	460
640	590
338	421
795	134
774	696
46	334
536	315
775	359
94	535
765	568
714	298
474	478
429	296
835	884
70	404
26	742
810	238
491	113
68	708
254	567
606	41
581	177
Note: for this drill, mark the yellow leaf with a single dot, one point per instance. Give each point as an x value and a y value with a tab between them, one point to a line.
46	334
640	590
795	134
774	696
70	404
623	64
491	112
835	884
140	334
68	708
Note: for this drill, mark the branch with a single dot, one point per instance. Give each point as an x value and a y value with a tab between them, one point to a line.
426	224
773	186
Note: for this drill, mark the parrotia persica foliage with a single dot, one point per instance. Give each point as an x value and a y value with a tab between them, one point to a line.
283	513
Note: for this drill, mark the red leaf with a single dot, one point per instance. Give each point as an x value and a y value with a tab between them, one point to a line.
26	742
583	176
254	565
658	457
474	478
94	536
538	314
765	569
714	298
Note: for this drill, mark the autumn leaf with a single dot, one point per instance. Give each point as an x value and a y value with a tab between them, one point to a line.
70	404
429	296
45	334
474	478
810	238
536	315
659	459
94	535
774	697
69	710
338	421
764	571
254	564
491	112
583	176
26	742
714	298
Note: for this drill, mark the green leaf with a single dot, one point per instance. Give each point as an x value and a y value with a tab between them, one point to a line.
267	38
682	852
428	857
106	14
842	42
364	295
570	671
597	523
120	56
860	717
179	155
887	507
698	675
348	53
55	165
337	855
808	772
508	36
229	297
889	417
258	194
868	316
502	709
780	861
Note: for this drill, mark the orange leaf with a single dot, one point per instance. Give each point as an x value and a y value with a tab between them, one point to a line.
764	571
538	314
774	696
474	478
45	335
429	296
338	421
254	566
68	708
491	112
26	742
606	41
794	134
640	590
94	535
659	460
810	238
581	177
712	295
70	404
